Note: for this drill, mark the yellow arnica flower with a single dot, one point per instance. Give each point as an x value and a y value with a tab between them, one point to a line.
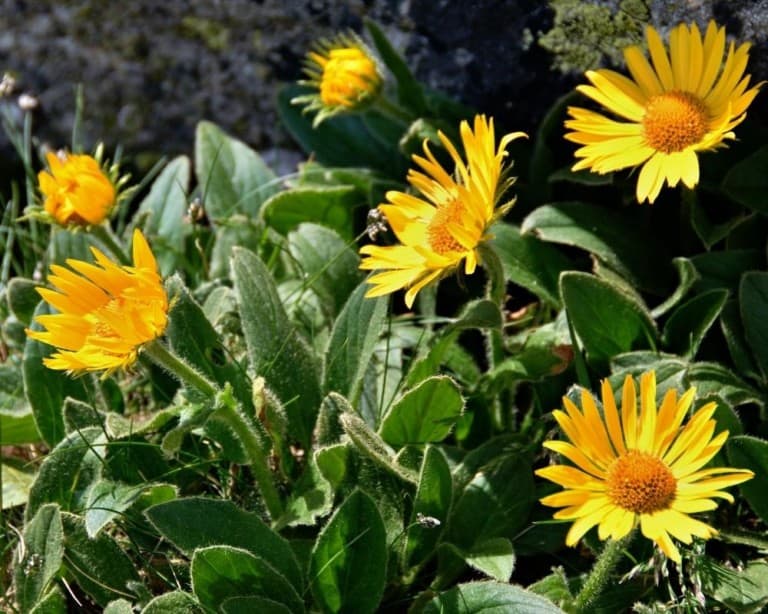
448	223
686	101
639	466
106	311
76	190
345	75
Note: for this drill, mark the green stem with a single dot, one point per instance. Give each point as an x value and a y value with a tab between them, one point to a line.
160	355
600	574
389	108
227	413
258	462
495	291
105	236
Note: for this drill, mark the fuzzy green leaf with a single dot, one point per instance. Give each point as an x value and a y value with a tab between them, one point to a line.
165	207
746	452
68	472
489	598
747	181
529	262
352	342
349	560
753	298
686	327
504	490
195	522
175	602
431	503
330	206
427	413
222	572
100	566
44	553
607	320
610	234
232	177
276	351
327	263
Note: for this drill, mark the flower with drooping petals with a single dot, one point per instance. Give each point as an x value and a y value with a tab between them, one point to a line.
688	101
75	189
447	223
639	467
106	311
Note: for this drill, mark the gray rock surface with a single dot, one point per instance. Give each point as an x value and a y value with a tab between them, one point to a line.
151	70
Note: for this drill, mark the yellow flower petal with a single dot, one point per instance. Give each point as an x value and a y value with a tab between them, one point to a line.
106	313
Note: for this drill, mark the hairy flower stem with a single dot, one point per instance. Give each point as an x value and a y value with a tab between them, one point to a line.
600	574
226	413
106	237
175	366
258	461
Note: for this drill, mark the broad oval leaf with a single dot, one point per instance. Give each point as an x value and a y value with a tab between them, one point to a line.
753	298
745	452
221	572
330	206
430	506
425	414
611	235
349	560
165	207
489	598
68	472
195	522
100	566
686	327
233	178
607	320
529	262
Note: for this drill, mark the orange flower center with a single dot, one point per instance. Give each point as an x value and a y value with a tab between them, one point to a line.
674	121
640	483
438	234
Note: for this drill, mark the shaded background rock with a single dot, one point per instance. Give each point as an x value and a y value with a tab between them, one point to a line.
152	70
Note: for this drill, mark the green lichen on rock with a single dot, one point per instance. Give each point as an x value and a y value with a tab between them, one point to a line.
586	35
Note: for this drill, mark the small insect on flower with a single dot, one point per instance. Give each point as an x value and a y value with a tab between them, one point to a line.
687	102
106	312
76	190
639	467
447	224
344	74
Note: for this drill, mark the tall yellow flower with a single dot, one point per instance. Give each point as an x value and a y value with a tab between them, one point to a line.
345	75
449	222
639	467
106	311
688	101
76	190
